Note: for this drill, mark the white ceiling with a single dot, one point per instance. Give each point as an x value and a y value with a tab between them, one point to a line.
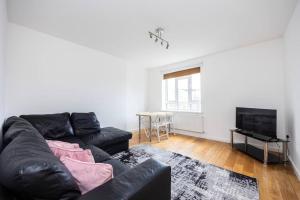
119	27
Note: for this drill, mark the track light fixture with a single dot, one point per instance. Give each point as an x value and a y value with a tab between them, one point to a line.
158	36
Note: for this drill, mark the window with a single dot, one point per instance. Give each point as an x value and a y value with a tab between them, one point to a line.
181	91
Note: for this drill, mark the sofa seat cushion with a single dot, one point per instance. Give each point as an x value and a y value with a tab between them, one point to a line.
29	169
85	123
51	126
107	136
116	148
99	154
118	166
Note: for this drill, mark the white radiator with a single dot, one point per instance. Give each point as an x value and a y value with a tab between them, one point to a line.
191	122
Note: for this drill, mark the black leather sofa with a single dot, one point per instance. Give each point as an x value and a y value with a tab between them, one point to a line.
30	171
80	128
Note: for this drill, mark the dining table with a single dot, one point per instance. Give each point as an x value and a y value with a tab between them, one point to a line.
151	116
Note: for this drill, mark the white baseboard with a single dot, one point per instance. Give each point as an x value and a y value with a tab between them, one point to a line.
296	170
218	139
189	133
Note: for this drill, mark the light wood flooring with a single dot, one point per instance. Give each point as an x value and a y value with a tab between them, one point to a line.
275	181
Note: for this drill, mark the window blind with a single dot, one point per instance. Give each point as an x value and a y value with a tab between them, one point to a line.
185	72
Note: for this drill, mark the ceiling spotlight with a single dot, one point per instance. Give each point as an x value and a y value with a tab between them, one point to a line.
158	36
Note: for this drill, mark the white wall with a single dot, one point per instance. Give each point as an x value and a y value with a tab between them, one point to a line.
47	75
136	80
292	56
3	25
251	76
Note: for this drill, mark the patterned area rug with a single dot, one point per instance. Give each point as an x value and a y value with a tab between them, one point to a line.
192	179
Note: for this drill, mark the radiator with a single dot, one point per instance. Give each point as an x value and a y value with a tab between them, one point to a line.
192	122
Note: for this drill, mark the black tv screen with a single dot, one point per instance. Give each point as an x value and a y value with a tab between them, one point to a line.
259	121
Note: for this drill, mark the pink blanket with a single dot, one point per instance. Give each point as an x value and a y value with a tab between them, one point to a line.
65	145
81	164
88	175
77	154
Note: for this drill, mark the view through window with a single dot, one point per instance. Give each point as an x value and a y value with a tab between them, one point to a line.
182	91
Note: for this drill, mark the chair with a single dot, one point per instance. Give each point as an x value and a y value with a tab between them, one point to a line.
160	124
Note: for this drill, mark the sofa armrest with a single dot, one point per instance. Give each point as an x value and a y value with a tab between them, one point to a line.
149	180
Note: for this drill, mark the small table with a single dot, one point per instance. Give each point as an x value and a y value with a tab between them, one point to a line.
259	154
151	115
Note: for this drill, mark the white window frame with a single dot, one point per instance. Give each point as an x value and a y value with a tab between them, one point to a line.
190	100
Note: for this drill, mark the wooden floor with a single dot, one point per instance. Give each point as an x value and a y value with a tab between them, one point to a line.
275	181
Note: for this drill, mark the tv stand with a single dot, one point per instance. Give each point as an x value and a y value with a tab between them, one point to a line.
262	155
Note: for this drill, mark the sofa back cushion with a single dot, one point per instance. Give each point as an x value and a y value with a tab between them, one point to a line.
29	169
85	123
51	126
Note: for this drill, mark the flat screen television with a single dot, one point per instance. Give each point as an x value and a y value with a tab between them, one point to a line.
258	121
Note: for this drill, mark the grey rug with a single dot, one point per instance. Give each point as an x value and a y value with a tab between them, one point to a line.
192	179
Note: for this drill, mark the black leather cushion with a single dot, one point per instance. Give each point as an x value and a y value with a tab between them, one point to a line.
20	126
85	123
29	168
51	126
108	136
6	195
98	154
73	139
118	166
116	148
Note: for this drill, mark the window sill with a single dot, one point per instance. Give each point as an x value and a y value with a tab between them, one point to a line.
178	111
